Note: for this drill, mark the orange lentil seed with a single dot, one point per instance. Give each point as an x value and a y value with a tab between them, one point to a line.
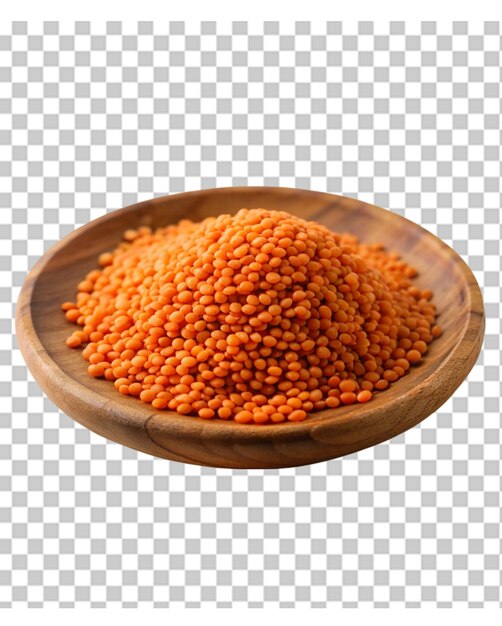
364	396
413	356
348	397
73	341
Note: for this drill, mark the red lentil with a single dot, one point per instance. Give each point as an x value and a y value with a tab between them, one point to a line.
260	317
364	396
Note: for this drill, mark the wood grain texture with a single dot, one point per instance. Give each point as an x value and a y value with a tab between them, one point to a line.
61	372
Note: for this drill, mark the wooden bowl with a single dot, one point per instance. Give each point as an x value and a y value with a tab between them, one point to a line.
95	403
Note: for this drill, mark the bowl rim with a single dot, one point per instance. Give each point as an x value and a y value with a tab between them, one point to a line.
452	370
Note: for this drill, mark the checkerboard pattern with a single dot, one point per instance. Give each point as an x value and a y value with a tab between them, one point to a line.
94	117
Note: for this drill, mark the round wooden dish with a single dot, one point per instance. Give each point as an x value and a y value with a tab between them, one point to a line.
61	372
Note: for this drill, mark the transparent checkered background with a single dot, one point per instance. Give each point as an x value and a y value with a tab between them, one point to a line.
94	117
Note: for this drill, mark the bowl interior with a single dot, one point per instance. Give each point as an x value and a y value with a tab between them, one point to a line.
438	270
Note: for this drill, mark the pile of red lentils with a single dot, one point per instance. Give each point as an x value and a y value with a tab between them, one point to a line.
259	317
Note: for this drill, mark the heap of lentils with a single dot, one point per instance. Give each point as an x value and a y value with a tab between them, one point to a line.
257	317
